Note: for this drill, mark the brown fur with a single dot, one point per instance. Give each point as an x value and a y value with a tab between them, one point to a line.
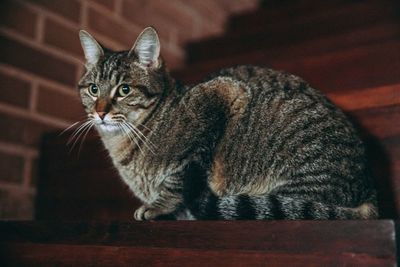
246	143
218	178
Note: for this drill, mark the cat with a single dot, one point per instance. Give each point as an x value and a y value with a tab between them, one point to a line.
246	143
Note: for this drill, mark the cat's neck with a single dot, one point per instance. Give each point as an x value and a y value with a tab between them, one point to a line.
114	140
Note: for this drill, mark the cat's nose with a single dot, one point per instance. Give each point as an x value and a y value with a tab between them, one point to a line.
101	114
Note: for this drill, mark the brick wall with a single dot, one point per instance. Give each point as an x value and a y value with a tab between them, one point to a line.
41	60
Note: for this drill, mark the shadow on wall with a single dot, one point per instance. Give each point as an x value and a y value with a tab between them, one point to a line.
381	165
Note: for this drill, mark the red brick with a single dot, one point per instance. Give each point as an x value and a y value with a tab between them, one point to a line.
107	26
141	14
207	10
132	7
105	3
37	62
14	91
209	29
176	17
59	36
172	61
69	9
16	205
22	131
11	168
239	5
53	103
174	13
16	16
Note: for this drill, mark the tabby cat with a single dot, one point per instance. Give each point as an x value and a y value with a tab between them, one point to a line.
246	143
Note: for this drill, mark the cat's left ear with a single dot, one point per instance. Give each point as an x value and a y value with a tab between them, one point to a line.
147	48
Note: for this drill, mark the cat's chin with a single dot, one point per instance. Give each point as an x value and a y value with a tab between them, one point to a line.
108	128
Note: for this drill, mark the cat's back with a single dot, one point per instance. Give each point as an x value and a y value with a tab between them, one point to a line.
260	79
286	131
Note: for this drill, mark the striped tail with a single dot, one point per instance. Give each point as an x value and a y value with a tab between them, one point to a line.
274	207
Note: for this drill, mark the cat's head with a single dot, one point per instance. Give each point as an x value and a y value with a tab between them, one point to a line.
120	88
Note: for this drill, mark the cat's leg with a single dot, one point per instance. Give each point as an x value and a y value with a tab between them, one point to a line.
139	213
145	213
150	212
168	201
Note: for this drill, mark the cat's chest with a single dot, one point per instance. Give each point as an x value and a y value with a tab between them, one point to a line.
135	168
140	182
143	179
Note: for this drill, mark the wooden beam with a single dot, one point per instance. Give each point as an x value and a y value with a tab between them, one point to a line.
221	243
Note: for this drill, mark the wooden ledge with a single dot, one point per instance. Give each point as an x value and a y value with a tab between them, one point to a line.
199	243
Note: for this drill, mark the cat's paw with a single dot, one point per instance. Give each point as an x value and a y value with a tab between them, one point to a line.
144	213
139	213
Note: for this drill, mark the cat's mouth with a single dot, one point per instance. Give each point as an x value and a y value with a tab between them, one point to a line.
106	123
108	126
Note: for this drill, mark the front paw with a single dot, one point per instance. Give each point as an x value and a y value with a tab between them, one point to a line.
144	213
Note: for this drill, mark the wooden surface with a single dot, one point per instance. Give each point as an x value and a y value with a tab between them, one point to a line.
257	243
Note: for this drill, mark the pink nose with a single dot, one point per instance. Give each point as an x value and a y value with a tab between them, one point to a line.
101	114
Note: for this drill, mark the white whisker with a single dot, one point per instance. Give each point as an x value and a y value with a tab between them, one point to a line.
81	131
134	128
69	127
144	126
77	130
84	137
141	136
132	138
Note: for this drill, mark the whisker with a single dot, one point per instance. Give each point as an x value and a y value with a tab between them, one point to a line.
132	138
82	130
138	133
84	137
133	127
69	127
77	130
144	126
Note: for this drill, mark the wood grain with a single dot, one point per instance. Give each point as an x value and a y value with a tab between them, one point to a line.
246	243
69	255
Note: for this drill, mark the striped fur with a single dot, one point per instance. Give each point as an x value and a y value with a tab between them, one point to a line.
246	143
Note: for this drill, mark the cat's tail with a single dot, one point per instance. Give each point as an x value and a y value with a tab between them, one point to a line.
276	207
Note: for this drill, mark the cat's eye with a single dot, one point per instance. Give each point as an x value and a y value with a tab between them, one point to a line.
123	90
93	89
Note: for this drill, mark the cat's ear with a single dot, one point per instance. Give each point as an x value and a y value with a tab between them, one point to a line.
147	48
91	48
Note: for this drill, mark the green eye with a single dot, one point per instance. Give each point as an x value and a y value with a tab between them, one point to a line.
93	90
123	90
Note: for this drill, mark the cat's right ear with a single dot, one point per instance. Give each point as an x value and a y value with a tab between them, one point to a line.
91	48
147	48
